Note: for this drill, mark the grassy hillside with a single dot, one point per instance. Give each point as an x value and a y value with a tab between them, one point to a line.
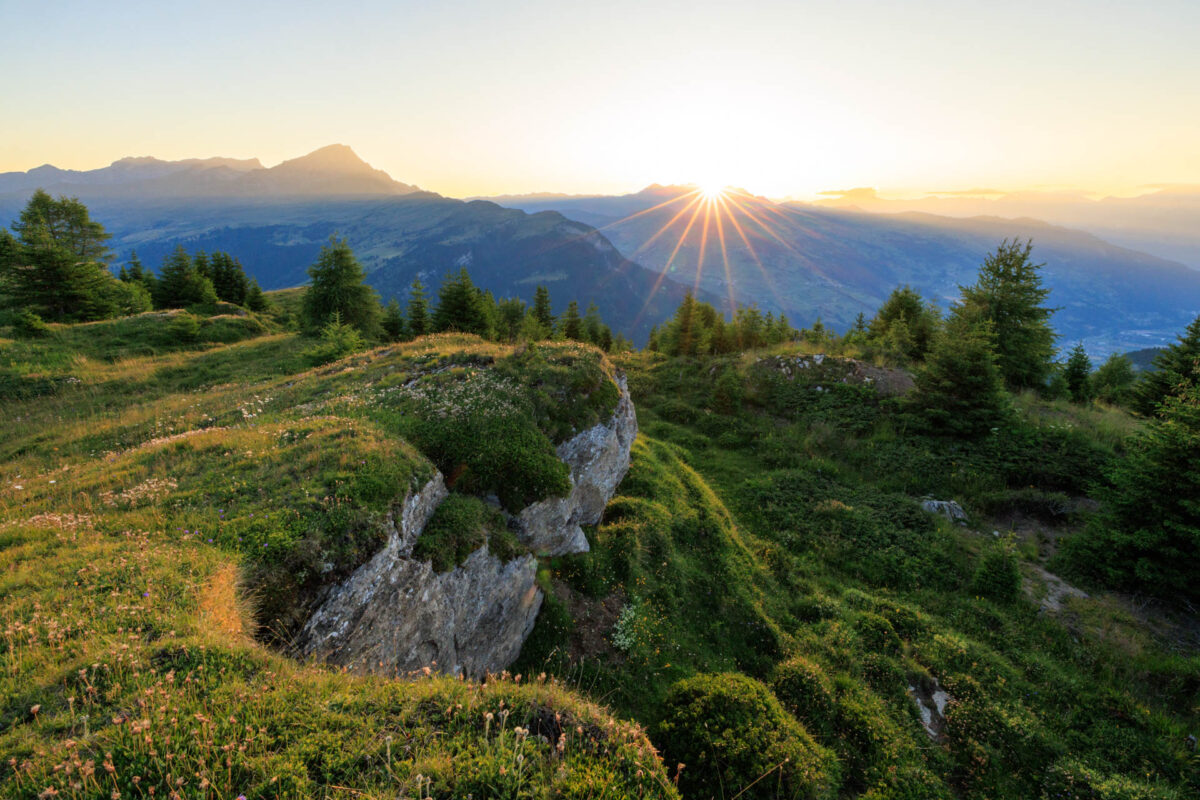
764	603
770	526
167	509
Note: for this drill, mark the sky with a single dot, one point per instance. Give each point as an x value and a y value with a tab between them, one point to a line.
478	98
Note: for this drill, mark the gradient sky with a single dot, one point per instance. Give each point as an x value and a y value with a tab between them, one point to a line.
466	98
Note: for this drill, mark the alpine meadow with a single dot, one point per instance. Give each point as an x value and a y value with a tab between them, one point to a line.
316	483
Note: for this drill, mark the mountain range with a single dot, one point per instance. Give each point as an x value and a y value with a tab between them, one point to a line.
808	261
635	255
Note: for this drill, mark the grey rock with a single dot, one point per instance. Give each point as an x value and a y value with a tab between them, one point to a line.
947	508
598	459
395	614
931	700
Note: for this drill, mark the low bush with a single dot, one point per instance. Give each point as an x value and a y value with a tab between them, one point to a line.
735	739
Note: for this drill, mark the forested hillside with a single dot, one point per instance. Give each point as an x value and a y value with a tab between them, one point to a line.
932	556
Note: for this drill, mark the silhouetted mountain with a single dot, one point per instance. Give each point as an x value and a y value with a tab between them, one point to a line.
1164	222
808	261
276	220
332	170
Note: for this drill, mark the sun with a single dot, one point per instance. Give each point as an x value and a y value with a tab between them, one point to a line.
711	191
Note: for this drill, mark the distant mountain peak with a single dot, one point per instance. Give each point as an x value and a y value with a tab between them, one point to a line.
332	157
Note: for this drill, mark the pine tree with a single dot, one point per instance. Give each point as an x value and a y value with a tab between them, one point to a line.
1173	367
1147	536
337	285
905	326
418	309
959	390
255	299
394	327
179	285
683	328
541	309
510	314
1008	294
1114	379
572	324
1077	374
461	307
592	324
57	264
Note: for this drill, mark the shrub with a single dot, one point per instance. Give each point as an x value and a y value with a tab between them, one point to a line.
337	341
184	327
28	325
735	739
998	577
459	527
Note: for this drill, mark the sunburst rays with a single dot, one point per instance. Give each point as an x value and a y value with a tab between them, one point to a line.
706	208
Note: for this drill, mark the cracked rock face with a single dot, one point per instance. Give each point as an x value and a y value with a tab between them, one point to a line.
395	614
598	459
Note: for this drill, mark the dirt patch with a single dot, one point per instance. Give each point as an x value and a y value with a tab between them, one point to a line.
594	620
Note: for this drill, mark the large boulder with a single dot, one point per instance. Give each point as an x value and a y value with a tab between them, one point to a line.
395	614
598	459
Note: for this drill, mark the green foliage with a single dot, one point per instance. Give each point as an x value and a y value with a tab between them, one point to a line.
1147	536
337	287
571	323
255	299
180	284
57	265
460	526
28	325
998	576
461	306
699	329
541	310
1077	375
337	341
1114	380
418	310
1173	368
905	327
736	740
394	326
184	328
1009	295
960	390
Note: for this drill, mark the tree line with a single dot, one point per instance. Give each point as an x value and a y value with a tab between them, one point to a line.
346	313
57	268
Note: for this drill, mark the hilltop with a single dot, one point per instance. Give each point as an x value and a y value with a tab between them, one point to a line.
764	595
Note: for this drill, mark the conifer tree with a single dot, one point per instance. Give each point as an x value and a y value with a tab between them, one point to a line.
255	299
510	314
905	326
572	324
1114	379
959	390
179	284
1009	295
541	309
418	309
1173	367
57	264
394	327
1077	375
461	307
1147	535
337	285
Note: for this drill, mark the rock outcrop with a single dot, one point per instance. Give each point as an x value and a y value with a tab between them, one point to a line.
598	459
394	614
